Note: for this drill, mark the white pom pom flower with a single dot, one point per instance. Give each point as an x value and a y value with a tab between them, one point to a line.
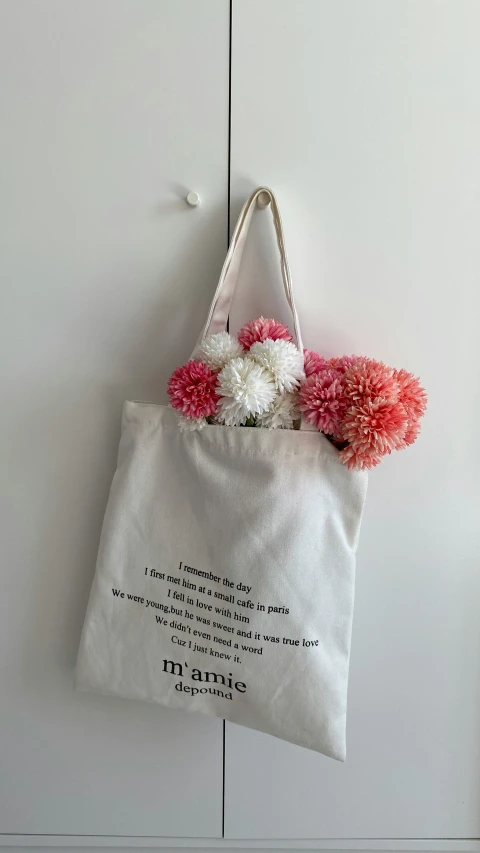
281	413
283	360
217	350
245	389
191	424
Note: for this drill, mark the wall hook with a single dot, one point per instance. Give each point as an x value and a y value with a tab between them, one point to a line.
193	199
263	200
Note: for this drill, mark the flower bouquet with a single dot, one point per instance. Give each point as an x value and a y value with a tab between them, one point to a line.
261	379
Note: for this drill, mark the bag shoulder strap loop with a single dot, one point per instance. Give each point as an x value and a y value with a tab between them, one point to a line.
222	300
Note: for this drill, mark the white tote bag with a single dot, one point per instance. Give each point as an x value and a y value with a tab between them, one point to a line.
225	575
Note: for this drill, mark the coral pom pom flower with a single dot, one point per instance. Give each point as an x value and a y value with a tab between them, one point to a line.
322	400
411	394
261	330
192	390
369	379
375	427
411	433
354	458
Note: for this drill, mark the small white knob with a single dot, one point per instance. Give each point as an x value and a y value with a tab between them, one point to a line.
263	200
193	199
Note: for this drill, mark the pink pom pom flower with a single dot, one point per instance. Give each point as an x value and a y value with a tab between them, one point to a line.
323	402
343	362
192	390
313	362
261	330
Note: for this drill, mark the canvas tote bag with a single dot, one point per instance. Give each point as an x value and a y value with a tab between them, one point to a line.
225	575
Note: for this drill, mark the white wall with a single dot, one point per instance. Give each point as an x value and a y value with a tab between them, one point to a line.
109	115
365	119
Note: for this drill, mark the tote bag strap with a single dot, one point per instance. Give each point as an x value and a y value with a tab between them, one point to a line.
220	307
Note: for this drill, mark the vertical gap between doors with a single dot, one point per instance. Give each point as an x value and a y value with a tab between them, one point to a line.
229	132
229	144
229	118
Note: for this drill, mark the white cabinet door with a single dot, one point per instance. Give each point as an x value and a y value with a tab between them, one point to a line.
111	111
365	119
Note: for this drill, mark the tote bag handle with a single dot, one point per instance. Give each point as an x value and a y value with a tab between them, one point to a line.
221	303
